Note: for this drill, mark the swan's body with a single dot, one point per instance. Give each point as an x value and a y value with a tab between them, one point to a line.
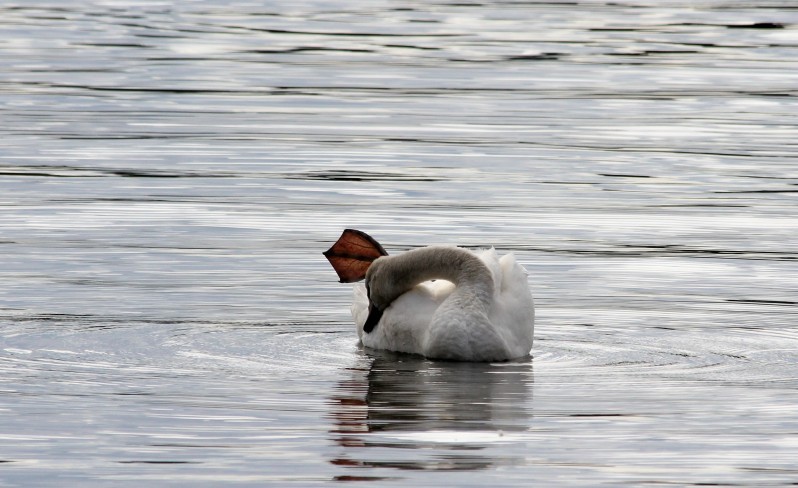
479	308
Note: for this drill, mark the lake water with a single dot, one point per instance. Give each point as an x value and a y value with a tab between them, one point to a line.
170	173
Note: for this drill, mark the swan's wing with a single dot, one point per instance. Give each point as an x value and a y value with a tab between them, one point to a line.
352	254
406	321
514	310
514	276
491	260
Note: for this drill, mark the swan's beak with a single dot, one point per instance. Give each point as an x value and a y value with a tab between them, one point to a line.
375	314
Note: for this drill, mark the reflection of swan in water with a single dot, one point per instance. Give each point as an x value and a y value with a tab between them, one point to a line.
442	415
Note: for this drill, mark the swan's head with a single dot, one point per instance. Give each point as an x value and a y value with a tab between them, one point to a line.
381	290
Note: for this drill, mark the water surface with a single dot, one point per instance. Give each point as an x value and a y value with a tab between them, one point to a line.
170	173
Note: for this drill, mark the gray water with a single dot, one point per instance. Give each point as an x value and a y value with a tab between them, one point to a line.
170	173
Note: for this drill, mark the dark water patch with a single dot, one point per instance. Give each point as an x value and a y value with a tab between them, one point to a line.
64	171
339	33
768	177
153	174
617	175
109	44
158	462
772	470
536	57
355	478
412	46
664	250
616	29
345	175
443	463
754	25
758	25
156	35
755	191
144	89
654	52
763	302
311	49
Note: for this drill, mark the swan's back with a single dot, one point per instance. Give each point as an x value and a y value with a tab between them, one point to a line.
405	326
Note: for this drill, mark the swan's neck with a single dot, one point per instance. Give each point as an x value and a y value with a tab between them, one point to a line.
473	280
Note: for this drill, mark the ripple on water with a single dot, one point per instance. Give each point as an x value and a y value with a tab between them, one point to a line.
733	355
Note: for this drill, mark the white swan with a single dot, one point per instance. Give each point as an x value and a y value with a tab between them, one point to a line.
479	308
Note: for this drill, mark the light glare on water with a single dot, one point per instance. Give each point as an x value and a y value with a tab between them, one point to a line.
171	173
